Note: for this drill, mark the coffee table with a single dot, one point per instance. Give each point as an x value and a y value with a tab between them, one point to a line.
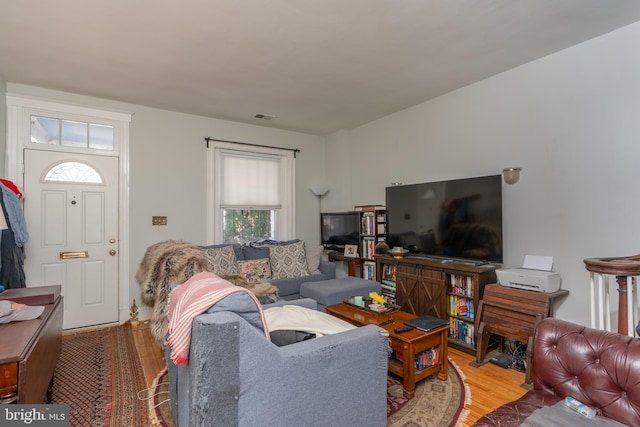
409	344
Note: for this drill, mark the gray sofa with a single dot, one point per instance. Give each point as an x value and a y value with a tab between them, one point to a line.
236	377
224	259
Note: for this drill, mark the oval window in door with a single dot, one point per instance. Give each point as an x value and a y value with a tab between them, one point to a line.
73	171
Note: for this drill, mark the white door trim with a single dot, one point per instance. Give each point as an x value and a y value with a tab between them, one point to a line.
19	110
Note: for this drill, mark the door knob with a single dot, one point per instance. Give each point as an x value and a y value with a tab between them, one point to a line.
112	240
112	252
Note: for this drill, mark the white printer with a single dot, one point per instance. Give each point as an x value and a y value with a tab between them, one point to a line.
535	275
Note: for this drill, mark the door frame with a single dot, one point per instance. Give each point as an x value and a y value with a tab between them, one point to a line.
19	110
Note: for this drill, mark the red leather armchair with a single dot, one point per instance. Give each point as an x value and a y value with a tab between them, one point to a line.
600	369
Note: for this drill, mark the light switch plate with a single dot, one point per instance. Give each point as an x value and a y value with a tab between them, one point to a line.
159	220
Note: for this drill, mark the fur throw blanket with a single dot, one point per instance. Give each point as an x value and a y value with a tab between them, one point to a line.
166	264
173	262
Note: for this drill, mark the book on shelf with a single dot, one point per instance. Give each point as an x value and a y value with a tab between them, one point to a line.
365	208
389	272
422	360
369	270
388	290
368	224
461	306
368	247
461	285
461	331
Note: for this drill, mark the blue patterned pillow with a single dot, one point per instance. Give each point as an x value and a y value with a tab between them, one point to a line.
288	261
222	260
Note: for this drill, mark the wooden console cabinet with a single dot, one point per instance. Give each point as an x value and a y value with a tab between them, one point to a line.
29	352
430	286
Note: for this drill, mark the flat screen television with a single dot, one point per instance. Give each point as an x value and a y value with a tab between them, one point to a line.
338	229
460	218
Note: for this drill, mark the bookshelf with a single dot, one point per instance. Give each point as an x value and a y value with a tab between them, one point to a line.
373	230
461	309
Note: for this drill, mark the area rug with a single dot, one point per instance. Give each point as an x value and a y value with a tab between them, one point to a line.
99	376
436	404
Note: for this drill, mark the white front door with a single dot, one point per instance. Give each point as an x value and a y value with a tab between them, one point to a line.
71	211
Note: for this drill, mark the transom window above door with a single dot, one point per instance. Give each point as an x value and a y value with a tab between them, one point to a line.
71	133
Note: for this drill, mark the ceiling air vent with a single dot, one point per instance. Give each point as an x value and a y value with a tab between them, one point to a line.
264	116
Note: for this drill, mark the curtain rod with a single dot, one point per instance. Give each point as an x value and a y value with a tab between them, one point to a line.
295	150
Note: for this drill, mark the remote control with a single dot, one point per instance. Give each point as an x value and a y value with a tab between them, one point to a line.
386	322
403	329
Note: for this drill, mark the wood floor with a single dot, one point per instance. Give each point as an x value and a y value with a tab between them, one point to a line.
490	385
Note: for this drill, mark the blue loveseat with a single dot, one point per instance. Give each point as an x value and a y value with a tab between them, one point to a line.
236	377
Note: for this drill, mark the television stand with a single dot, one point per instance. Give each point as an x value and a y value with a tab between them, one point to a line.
354	265
447	290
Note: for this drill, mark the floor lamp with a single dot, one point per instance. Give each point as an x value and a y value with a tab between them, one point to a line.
319	192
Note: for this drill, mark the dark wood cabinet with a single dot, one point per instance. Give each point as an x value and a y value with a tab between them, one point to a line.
29	352
431	286
421	290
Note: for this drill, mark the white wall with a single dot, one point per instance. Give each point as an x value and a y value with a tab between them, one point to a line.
168	170
570	120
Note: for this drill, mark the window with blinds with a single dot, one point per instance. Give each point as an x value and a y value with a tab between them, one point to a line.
253	191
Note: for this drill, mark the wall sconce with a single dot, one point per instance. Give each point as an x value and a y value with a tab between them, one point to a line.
511	175
319	192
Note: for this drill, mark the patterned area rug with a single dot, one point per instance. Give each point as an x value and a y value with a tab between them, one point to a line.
437	403
99	375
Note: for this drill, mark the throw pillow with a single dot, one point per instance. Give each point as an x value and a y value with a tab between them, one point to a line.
288	261
222	260
255	270
314	255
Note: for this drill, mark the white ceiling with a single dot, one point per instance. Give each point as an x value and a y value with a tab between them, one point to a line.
318	65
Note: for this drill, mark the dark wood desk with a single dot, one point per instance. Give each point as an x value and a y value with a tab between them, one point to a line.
409	344
512	313
29	352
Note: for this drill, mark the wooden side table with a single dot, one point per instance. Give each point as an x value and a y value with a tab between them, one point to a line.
512	313
409	344
354	265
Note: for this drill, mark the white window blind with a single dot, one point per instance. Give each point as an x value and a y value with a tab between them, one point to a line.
250	181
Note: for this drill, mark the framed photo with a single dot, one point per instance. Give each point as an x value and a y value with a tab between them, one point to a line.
351	251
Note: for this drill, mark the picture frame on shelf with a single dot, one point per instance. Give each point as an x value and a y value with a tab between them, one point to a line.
351	251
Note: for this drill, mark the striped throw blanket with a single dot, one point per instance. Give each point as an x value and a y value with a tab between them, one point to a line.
189	300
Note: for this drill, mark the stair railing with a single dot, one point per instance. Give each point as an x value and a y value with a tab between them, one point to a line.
625	270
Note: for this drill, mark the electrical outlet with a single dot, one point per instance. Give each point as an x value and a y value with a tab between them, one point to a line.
159	220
